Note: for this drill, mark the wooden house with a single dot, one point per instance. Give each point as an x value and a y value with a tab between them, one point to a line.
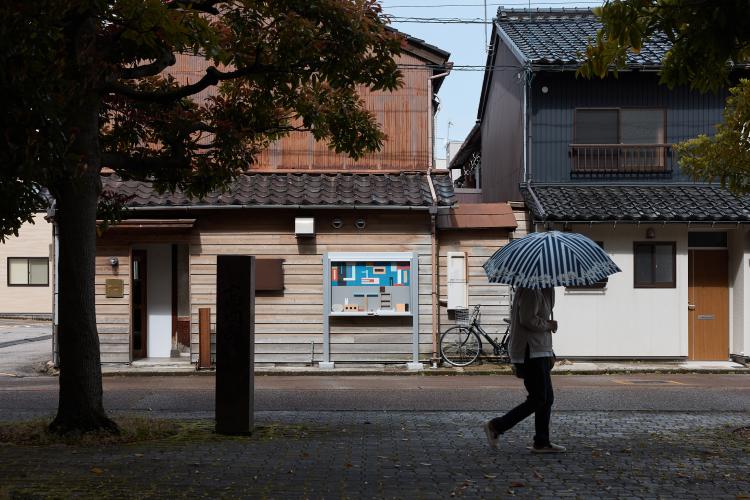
350	254
595	157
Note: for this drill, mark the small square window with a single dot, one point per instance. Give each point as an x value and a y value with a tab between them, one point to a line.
655	265
28	271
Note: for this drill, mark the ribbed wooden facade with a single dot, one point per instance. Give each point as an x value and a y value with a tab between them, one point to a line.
289	324
403	116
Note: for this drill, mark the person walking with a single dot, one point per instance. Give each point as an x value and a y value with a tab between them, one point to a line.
531	353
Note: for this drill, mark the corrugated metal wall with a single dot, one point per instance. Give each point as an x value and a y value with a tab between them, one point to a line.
689	113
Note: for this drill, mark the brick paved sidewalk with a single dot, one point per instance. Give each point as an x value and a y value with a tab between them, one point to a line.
404	455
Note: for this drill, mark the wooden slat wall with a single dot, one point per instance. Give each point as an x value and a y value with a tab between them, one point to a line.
289	326
402	115
113	314
479	245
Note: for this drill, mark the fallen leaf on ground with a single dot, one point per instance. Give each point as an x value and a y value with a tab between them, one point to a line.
96	470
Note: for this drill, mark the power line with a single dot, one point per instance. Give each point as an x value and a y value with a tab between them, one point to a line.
504	4
437	20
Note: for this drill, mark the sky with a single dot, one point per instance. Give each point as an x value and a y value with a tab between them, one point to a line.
459	94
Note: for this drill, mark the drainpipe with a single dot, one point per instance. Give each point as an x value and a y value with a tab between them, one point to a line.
527	123
51	217
434	269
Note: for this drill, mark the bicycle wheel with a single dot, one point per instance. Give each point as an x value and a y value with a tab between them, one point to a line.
460	346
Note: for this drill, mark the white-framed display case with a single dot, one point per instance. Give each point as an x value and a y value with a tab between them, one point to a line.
370	284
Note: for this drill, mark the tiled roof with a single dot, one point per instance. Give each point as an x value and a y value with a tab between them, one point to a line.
560	37
644	203
292	189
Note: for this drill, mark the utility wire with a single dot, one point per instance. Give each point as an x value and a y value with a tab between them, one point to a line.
504	4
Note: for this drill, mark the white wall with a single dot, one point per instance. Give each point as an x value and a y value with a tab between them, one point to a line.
739	278
33	240
622	321
159	298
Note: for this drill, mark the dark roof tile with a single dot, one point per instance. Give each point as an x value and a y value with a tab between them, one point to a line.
663	203
289	189
560	37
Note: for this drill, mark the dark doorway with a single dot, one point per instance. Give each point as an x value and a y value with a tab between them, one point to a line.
138	310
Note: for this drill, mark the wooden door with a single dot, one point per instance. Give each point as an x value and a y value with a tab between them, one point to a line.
138	309
708	305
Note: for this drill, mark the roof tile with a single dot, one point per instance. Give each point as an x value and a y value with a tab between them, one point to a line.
663	203
288	189
560	37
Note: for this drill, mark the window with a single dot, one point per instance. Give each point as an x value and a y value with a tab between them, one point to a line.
655	265
619	126
599	285
707	240
619	140
28	271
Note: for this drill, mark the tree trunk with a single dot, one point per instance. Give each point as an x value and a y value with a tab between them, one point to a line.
80	407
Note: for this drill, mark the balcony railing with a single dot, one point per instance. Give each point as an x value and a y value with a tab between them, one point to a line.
620	159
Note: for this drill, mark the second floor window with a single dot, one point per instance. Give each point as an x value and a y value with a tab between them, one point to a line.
619	140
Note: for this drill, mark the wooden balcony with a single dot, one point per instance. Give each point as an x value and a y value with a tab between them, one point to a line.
613	160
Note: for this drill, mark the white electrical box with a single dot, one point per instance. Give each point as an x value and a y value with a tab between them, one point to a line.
304	226
458	289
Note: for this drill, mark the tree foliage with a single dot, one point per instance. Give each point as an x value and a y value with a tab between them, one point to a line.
271	68
84	86
708	40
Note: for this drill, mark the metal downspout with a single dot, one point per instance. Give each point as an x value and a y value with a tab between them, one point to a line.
434	269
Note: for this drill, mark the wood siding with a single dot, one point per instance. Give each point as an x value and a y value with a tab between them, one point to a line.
113	314
289	325
688	113
402	114
479	245
33	240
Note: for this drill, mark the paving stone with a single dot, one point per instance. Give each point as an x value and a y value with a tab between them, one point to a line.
405	455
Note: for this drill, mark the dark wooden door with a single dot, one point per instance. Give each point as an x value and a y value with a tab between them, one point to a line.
138	310
708	305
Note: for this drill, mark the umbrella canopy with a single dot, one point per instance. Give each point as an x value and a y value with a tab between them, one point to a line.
547	259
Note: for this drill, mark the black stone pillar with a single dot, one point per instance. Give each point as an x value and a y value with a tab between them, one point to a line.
235	339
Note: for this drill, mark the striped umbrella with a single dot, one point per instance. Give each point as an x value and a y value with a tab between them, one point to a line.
547	259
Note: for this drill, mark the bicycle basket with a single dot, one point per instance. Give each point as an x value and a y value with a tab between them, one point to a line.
463	318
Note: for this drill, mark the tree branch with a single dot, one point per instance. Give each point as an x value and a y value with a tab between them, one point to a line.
206	6
142	167
166	60
212	77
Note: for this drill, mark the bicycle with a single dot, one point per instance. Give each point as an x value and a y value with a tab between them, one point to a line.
461	345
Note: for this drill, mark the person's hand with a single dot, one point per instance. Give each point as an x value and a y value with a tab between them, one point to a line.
552	325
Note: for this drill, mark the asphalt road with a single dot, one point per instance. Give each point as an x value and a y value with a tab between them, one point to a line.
193	395
24	346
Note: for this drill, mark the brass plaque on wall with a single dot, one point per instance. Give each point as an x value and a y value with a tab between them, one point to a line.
114	289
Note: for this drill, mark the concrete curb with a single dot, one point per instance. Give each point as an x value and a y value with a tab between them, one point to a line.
429	372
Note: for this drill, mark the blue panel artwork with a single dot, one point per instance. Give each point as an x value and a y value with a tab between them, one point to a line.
370	273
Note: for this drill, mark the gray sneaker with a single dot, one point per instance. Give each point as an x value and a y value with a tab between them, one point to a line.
491	435
550	448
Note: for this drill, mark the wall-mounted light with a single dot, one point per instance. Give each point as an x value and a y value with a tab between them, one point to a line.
545	89
114	261
304	227
337	223
650	233
360	223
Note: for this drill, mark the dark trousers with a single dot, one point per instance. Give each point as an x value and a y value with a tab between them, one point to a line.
539	401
